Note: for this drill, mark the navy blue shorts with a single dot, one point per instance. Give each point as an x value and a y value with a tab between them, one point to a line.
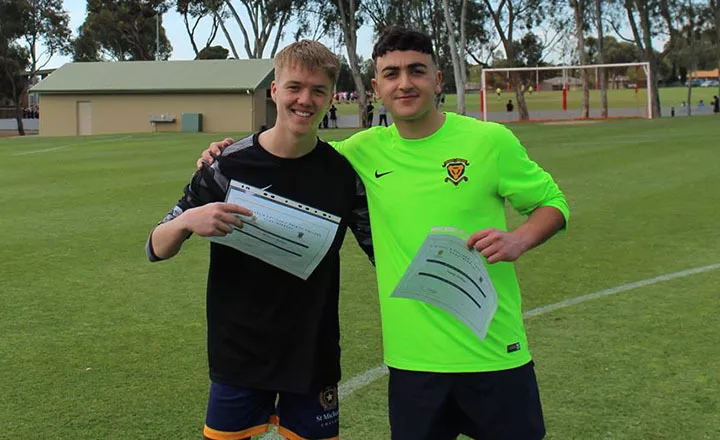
497	405
236	413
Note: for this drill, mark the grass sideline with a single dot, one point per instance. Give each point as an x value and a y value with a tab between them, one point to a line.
98	343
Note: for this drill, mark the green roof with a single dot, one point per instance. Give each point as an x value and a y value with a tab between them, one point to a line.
159	77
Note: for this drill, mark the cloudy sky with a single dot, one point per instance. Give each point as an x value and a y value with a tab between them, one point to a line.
177	35
182	50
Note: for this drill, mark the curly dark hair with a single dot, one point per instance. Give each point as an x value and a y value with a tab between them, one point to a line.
401	38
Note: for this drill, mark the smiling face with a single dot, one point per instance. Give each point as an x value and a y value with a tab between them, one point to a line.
407	82
302	96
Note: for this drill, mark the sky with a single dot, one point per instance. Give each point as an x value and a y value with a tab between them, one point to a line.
182	49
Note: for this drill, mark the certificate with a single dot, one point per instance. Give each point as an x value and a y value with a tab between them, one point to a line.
284	233
446	274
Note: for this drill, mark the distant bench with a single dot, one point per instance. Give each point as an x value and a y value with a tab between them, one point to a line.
162	118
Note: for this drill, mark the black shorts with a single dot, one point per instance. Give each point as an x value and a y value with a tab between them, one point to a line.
497	405
236	413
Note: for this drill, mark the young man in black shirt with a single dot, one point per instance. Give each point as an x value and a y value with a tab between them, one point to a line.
273	338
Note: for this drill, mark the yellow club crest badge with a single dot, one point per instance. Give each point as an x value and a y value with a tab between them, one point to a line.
456	170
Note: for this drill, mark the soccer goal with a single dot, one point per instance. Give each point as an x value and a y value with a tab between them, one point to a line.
555	93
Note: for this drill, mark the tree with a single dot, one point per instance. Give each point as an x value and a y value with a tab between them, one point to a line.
264	18
367	71
212	53
13	58
31	32
615	52
601	58
429	18
346	15
122	30
580	17
642	17
14	82
193	11
345	80
714	8
509	16
457	53
689	47
529	50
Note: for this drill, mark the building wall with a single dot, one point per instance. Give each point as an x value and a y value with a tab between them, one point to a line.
259	116
131	113
58	116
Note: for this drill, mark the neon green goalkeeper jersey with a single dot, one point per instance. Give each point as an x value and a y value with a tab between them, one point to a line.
459	176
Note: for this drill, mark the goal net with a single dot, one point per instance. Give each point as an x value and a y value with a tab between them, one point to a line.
556	93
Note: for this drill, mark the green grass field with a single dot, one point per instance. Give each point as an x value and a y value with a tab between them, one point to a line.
97	343
620	98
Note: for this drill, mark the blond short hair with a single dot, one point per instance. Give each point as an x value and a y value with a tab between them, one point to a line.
310	55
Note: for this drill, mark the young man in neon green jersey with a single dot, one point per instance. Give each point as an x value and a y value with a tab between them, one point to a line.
433	169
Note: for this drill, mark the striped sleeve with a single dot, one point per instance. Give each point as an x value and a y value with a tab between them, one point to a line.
207	185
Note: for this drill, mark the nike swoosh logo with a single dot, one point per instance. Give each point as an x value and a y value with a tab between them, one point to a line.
379	175
266	188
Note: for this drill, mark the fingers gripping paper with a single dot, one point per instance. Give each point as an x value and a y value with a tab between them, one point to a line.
284	233
444	273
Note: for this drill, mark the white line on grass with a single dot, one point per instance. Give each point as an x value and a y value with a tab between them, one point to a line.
373	374
361	380
614	290
40	151
114	138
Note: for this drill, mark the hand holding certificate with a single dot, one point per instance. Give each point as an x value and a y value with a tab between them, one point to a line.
284	233
446	274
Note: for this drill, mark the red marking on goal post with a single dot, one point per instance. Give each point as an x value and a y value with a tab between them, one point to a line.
564	98
482	97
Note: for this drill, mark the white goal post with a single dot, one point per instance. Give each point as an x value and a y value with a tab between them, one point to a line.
565	69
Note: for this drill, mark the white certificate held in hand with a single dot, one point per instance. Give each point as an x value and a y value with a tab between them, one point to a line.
446	274
284	233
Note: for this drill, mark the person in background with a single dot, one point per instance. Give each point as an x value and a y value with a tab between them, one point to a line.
369	110
333	116
382	111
